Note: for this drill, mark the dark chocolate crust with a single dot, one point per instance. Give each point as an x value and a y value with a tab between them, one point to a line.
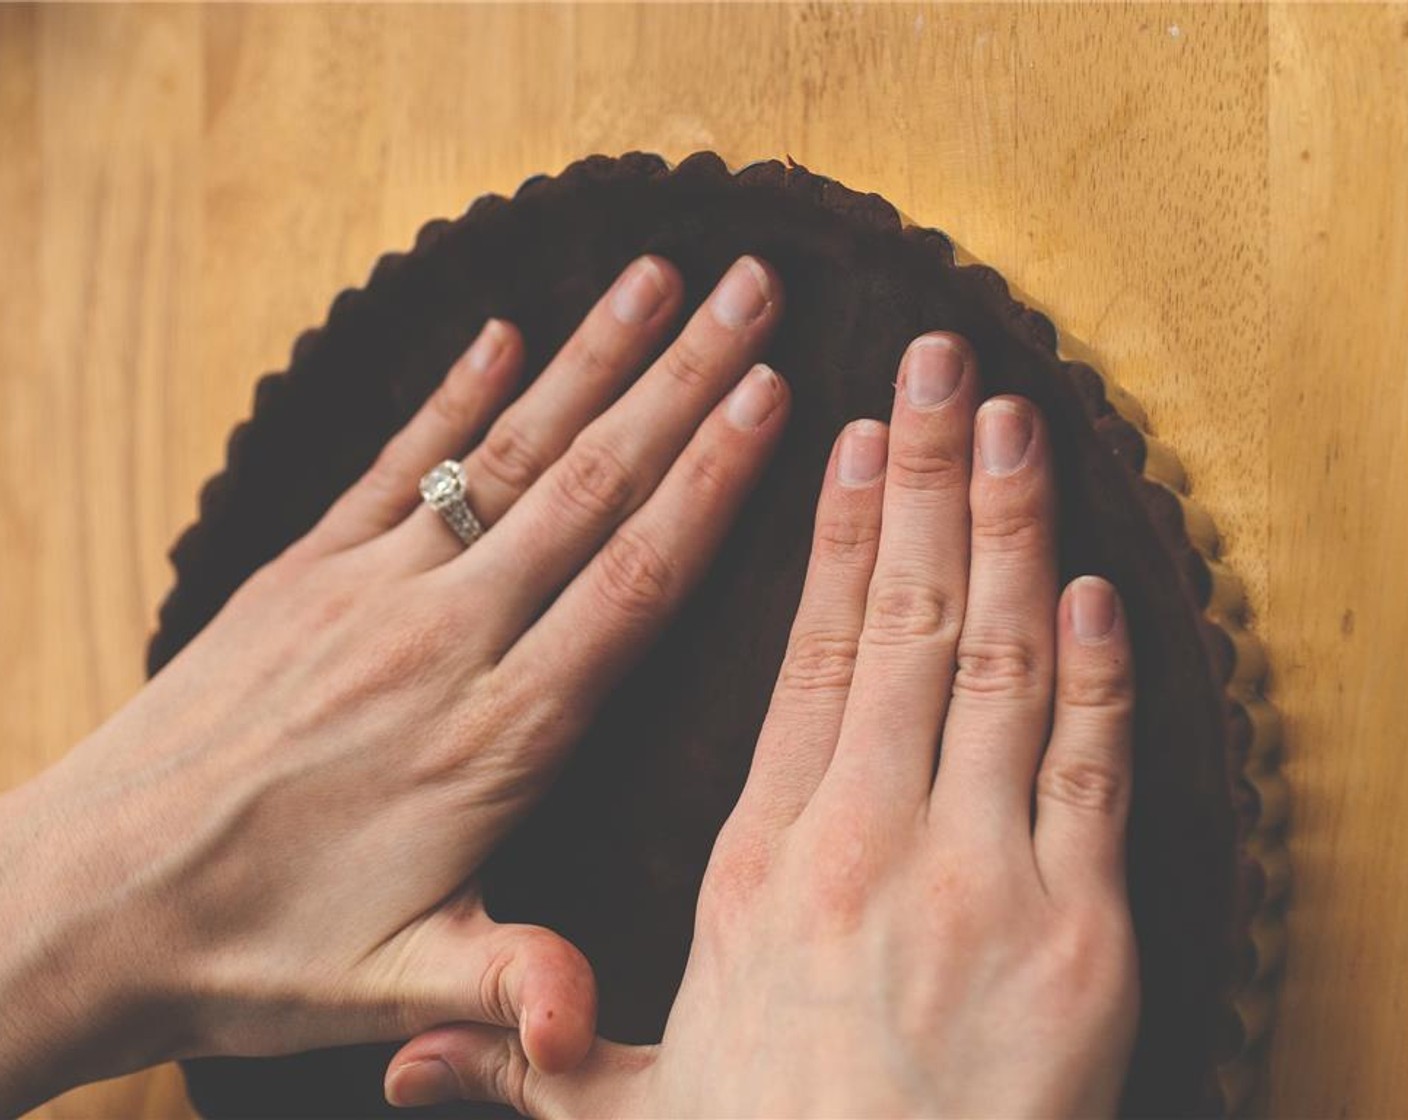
614	855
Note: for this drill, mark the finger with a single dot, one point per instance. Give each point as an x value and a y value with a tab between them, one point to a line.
605	352
804	719
618	460
456	967
468	1062
623	598
999	716
904	663
457	411
1083	786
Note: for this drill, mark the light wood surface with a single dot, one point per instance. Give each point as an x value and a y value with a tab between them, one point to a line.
1215	198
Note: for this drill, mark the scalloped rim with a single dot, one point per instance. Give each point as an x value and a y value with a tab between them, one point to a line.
1122	425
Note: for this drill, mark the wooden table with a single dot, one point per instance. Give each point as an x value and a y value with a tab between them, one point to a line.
1215	198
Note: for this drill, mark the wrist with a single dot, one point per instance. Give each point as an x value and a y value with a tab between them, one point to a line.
83	995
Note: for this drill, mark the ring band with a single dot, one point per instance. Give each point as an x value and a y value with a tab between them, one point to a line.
443	489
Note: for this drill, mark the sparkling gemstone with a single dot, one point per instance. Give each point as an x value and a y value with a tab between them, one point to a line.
443	483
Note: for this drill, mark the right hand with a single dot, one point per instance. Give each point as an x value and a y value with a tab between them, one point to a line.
884	929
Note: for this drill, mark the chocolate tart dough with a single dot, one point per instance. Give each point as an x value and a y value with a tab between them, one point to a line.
613	857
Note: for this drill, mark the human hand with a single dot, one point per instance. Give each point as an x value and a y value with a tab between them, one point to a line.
273	846
886	929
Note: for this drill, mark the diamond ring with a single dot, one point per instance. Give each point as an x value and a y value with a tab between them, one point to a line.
443	488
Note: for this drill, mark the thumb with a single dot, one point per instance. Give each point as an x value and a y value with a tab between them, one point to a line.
479	1063
466	967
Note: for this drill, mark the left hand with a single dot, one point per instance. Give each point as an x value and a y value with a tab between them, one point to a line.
272	848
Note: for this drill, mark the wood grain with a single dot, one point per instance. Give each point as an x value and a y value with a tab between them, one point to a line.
1337	617
1213	197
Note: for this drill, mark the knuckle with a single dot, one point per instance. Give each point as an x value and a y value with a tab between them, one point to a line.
332	607
1087	783
908	610
818	661
386	479
453	402
996	666
385	469
1103	686
916	467
957	906
590	362
511	1073
495	988
846	541
594	481
737	870
840	887
403	652
686	364
278	576
1009	530
1091	952
710	471
635	576
508	456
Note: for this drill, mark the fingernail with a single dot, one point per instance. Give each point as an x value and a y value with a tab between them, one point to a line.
741	295
428	1081
1004	434
639	292
754	398
861	458
1093	608
933	367
487	346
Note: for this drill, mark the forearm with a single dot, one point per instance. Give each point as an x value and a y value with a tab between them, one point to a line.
78	997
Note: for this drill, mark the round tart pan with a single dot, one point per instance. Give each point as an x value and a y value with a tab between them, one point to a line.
614	855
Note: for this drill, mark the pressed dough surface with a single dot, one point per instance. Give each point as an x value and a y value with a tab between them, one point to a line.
1183	187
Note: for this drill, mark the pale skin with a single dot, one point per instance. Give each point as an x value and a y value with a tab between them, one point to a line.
273	847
